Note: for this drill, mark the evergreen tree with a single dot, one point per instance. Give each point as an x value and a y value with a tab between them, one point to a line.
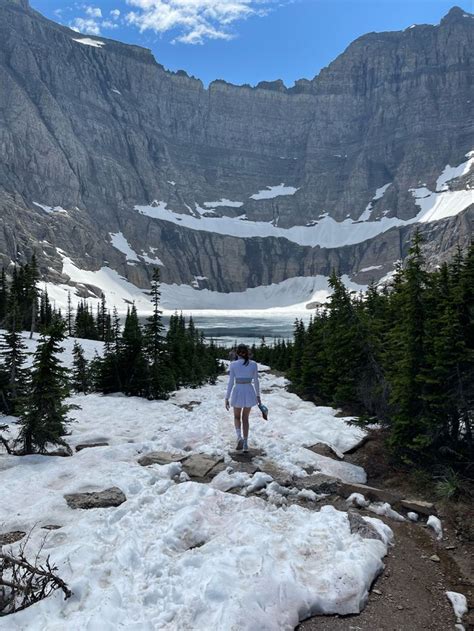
3	296
161	378
80	371
13	375
133	367
44	414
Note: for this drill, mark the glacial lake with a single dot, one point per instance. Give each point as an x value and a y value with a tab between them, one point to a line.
229	330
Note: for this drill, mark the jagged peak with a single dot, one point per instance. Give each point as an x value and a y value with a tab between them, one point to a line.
455	14
24	4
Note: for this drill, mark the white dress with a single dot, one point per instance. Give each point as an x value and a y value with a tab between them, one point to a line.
241	376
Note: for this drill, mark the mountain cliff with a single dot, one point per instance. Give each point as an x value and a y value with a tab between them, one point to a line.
110	162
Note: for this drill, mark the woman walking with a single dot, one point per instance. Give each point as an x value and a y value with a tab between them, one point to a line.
243	371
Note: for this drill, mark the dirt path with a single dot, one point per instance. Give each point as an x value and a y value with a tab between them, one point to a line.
410	594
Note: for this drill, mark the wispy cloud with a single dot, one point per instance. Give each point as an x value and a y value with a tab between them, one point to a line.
194	20
92	22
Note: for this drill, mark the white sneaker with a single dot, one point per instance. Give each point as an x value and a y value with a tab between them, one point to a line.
246	447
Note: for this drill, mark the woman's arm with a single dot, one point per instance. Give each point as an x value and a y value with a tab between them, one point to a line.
230	383
256	382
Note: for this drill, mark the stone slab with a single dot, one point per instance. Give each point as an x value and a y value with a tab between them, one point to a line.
6	538
370	493
199	465
159	457
319	483
90	445
323	449
419	506
359	526
97	499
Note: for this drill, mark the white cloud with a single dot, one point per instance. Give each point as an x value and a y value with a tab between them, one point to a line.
85	25
108	24
194	20
115	13
93	12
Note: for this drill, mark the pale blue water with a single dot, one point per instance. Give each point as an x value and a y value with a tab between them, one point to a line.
229	330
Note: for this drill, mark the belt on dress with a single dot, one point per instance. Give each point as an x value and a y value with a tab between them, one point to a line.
243	380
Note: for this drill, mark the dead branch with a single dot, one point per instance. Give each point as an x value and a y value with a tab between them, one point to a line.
23	584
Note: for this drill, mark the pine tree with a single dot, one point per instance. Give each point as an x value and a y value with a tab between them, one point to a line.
3	296
13	375
161	378
43	417
80	371
133	367
406	357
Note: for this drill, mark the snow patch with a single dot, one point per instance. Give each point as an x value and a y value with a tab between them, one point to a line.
435	523
371	268
379	193
270	192
52	209
121	244
87	41
223	202
459	604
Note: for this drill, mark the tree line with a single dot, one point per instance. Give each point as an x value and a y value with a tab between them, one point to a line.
402	355
138	360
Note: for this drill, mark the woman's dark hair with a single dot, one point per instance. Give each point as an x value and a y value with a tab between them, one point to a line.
244	353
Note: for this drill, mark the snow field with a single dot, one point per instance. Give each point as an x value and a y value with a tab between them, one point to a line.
189	556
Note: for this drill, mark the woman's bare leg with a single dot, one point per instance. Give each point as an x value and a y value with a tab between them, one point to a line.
245	422
237	415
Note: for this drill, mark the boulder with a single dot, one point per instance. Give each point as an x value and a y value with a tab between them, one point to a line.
11	537
323	449
97	499
369	492
159	457
419	506
319	483
200	465
359	526
244	467
90	445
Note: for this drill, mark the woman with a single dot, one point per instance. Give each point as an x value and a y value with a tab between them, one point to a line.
244	395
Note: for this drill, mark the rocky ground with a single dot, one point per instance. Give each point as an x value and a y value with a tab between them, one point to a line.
410	594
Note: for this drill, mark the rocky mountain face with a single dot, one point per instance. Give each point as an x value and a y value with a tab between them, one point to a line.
111	161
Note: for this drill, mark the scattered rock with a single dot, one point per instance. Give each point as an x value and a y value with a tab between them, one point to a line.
240	456
435	558
51	527
279	475
319	483
11	537
97	499
323	449
200	465
418	506
359	526
90	445
159	457
369	492
377	591
189	406
244	467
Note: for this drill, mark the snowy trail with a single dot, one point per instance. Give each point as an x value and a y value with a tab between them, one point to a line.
188	556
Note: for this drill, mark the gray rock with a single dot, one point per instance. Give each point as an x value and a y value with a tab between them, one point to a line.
359	526
90	445
335	137
369	492
419	506
200	465
325	450
98	499
240	456
319	483
244	467
7	538
51	527
159	457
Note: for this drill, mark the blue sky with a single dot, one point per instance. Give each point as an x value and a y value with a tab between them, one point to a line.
244	41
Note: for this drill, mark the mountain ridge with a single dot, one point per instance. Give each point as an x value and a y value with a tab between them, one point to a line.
110	130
